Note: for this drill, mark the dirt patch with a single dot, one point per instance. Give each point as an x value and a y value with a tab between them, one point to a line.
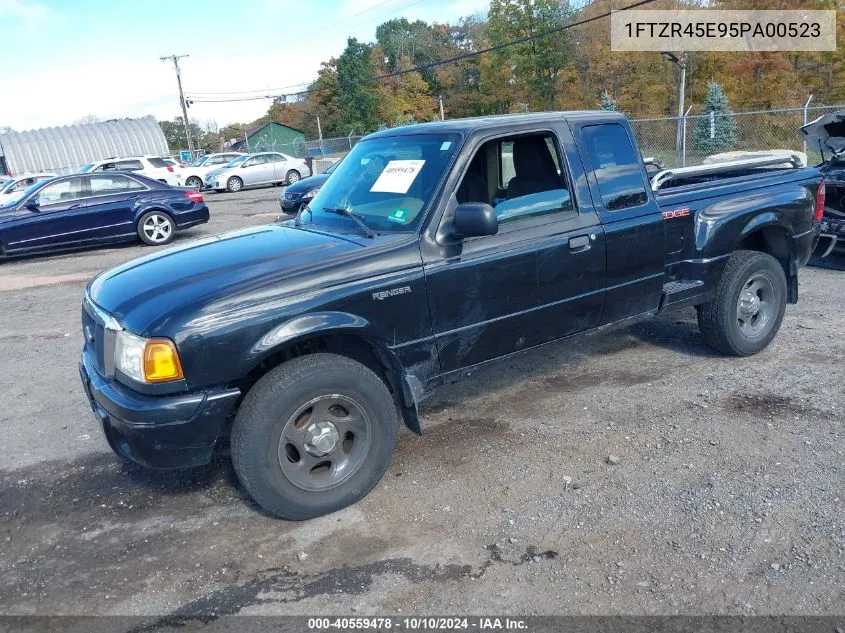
22	282
767	404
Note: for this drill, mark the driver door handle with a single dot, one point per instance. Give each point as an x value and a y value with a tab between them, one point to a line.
580	243
75	206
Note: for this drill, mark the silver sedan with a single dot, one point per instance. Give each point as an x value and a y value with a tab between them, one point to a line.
265	168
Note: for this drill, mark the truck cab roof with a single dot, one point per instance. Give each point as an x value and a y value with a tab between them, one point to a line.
470	124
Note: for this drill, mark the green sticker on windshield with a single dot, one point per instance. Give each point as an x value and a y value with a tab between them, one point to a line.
399	215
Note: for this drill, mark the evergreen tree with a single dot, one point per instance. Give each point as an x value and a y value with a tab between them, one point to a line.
607	102
357	96
718	135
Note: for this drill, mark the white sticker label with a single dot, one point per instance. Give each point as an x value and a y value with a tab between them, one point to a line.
398	175
446	145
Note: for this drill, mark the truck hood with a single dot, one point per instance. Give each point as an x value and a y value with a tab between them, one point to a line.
827	131
256	262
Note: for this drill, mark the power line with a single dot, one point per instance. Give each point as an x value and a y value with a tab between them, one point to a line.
454	59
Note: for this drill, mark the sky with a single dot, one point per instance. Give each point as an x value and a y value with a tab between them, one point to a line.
64	60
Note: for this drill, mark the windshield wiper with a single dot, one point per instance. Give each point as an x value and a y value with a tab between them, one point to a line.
346	212
297	221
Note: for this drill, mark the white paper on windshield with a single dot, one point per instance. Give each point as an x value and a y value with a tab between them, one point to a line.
397	176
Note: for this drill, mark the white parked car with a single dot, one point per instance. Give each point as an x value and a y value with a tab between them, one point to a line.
194	175
163	169
264	168
12	189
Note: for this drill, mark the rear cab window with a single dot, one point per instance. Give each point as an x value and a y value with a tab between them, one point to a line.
616	166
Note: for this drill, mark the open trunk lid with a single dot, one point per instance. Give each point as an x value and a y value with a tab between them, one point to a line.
826	133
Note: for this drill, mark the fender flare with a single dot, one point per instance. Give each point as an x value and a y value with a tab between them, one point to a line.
409	386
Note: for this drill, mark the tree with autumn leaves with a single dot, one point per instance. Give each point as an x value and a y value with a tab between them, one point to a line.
375	84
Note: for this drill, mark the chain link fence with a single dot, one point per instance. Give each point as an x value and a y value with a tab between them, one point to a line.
325	152
705	135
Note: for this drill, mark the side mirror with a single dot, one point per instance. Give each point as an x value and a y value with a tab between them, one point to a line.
474	219
31	204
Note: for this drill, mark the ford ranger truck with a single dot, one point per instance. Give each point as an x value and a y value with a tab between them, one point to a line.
432	249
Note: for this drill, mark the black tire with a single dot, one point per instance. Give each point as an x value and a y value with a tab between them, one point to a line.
165	233
269	409
726	324
292	177
194	182
234	184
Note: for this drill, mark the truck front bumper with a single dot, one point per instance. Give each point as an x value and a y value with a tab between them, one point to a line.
161	432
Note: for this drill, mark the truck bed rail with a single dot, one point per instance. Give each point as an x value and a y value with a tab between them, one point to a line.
664	176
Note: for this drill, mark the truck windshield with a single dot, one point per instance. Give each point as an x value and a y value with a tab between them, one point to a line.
385	182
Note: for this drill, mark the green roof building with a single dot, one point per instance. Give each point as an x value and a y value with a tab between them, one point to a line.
272	137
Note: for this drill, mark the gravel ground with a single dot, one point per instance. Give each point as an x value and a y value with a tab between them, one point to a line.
630	473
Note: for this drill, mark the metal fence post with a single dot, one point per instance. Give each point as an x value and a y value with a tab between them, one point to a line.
684	139
349	140
806	105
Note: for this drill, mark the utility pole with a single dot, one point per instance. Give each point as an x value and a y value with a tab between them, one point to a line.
440	99
175	59
682	64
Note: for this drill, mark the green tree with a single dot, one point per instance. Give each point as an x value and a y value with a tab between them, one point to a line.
715	132
357	95
323	99
534	65
607	102
174	133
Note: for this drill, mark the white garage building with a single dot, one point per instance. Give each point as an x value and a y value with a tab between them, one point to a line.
64	150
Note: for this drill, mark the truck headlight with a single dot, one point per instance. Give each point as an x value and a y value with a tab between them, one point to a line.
147	360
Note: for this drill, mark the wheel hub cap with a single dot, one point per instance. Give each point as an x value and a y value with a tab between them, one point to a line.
749	304
321	438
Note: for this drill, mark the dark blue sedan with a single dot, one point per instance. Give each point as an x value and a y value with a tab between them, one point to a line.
90	209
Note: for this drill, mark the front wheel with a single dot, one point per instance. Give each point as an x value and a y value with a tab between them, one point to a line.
156	228
748	306
293	177
234	184
314	435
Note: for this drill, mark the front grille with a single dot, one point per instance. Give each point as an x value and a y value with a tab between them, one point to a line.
99	339
291	196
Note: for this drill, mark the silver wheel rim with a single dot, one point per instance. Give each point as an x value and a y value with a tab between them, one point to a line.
756	307
293	177
324	442
157	228
235	184
196	183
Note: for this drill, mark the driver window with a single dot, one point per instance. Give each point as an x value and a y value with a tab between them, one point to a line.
61	191
519	176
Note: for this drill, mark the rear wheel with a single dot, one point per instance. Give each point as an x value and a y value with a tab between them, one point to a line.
156	228
292	177
314	435
194	183
234	184
746	312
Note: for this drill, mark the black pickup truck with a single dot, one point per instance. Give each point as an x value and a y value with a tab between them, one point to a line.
432	248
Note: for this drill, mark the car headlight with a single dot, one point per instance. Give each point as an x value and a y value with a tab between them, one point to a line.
147	360
309	194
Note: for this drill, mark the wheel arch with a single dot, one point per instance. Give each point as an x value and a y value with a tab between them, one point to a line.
343	334
764	234
160	208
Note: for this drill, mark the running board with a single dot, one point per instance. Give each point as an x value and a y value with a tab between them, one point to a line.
676	293
675	287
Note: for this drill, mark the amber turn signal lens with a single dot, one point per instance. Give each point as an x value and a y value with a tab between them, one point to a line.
161	361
